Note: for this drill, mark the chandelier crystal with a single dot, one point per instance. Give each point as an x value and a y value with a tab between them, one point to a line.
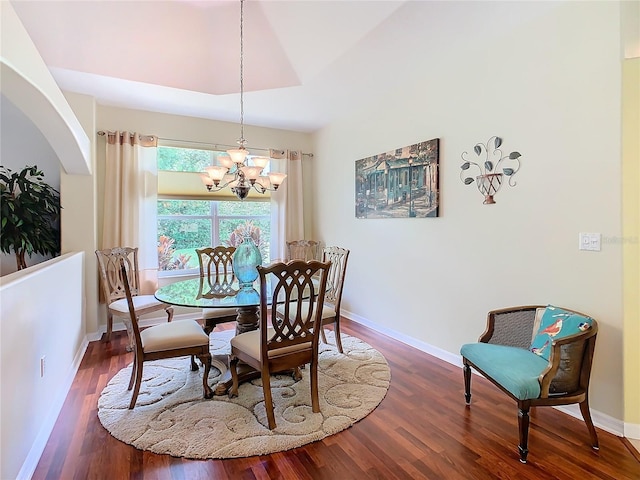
234	170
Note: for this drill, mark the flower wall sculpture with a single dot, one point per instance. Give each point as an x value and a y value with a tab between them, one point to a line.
489	162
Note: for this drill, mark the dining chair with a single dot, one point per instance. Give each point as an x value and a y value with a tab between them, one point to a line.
337	257
539	356
166	340
112	282
303	250
284	344
216	267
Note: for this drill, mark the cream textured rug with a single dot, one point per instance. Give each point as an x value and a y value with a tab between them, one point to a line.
171	416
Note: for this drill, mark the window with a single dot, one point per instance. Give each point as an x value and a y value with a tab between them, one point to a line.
187	219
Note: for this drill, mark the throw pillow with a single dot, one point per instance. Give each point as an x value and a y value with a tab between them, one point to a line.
557	323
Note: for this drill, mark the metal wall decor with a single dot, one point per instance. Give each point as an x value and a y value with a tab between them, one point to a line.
489	162
401	183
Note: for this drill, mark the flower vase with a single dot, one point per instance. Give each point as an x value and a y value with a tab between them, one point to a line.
245	260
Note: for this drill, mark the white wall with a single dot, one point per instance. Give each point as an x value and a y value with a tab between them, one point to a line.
42	316
551	89
23	144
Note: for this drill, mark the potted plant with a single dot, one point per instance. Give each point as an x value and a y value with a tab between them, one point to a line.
29	213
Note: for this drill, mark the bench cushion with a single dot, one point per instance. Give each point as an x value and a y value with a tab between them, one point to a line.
515	369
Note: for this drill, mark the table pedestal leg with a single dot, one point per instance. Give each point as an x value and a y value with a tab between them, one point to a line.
248	320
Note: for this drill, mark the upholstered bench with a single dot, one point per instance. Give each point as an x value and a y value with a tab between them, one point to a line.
538	355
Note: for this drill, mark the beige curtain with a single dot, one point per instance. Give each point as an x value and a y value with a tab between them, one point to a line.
130	200
287	205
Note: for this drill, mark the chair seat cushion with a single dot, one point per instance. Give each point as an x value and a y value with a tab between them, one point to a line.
515	369
249	343
327	310
139	302
169	336
219	312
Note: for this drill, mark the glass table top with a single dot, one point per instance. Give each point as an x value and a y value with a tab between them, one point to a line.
204	292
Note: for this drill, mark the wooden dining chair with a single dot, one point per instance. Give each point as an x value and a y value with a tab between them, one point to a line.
216	267
166	340
303	250
112	282
337	257
283	344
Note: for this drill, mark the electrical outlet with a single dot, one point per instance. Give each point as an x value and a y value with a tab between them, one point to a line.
42	366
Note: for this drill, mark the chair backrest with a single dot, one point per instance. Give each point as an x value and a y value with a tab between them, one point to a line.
124	274
216	261
303	250
113	283
289	282
338	257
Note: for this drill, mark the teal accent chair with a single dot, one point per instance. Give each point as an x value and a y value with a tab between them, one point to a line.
505	356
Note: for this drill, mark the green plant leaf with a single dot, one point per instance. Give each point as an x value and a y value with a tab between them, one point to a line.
514	155
465	165
508	171
468	180
488	165
497	142
477	149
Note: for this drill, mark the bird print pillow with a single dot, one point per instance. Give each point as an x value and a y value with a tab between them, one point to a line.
557	323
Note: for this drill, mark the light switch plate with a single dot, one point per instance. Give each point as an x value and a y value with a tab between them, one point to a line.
589	241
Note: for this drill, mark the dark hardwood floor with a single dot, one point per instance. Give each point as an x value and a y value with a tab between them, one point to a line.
422	429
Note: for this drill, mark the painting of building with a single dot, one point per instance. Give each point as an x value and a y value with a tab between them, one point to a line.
400	183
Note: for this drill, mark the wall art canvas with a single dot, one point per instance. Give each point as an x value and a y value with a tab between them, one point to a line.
401	183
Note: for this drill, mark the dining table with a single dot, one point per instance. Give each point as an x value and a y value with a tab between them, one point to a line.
220	292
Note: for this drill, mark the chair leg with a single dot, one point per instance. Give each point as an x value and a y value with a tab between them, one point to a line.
107	336
268	400
336	331
315	402
523	428
194	365
134	367
169	311
136	388
586	414
233	364
466	369
206	361
324	337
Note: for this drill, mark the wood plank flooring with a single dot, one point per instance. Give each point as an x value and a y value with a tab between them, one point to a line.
421	430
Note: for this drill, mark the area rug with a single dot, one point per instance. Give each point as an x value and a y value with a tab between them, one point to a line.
171	416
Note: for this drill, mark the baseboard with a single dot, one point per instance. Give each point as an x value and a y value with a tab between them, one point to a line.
632	430
38	446
600	420
401	337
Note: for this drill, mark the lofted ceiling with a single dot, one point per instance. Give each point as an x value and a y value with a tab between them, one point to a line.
305	62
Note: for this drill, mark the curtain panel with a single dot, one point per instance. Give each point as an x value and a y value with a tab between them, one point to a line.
130	200
287	205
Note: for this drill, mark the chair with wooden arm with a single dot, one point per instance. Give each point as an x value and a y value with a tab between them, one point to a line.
539	356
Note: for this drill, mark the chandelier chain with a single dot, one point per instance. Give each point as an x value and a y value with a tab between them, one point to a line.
241	140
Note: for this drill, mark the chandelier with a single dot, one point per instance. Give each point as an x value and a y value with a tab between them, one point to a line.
234	170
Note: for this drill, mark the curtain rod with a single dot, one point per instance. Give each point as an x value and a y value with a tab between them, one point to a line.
214	145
